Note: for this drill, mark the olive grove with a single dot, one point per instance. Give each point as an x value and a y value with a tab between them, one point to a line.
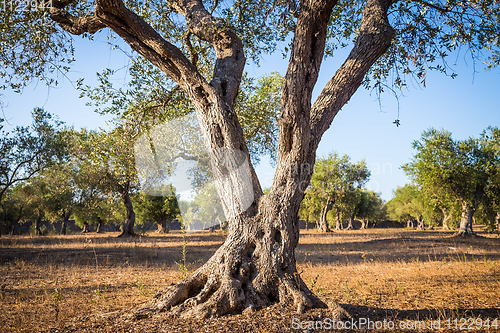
202	48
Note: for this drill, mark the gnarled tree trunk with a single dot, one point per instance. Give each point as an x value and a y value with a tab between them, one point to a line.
498	221
420	223
85	228
256	264
466	220
350	223
99	227
323	223
128	227
363	224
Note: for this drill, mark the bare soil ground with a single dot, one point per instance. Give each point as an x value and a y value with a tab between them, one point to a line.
76	283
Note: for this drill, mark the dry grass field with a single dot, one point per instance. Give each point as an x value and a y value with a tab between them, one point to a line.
67	283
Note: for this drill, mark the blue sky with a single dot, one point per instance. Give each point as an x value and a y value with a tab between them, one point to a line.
465	106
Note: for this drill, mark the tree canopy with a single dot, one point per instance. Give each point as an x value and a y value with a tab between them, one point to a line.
26	150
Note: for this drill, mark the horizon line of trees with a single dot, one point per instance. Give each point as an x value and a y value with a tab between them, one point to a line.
55	173
454	183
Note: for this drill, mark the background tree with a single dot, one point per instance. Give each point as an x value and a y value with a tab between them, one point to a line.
489	210
11	210
328	184
370	208
60	192
388	40
111	159
406	206
336	182
160	209
355	179
463	168
26	150
311	207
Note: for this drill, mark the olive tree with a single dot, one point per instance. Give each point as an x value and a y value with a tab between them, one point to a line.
337	181
466	169
388	39
27	150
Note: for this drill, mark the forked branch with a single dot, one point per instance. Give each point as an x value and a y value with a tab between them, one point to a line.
228	47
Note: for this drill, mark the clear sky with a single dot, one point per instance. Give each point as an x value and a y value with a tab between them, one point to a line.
465	106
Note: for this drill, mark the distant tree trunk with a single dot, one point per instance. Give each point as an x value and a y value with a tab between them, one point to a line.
85	228
38	221
446	218
99	227
338	222
323	223
162	225
128	228
63	226
65	223
420	223
466	220
12	229
498	221
15	223
410	223
214	219
363	224
350	224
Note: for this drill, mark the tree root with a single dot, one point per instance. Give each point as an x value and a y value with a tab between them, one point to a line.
204	295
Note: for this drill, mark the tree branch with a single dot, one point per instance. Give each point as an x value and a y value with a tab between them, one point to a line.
302	74
373	41
228	47
433	6
148	42
192	52
76	25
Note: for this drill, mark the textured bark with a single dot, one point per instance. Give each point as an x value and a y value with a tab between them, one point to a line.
466	220
255	266
128	227
252	269
363	224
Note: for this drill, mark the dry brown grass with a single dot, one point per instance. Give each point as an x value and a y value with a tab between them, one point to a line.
47	283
